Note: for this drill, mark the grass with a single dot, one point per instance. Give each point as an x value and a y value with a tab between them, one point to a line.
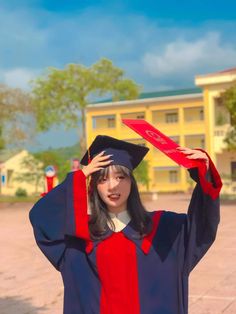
228	198
15	199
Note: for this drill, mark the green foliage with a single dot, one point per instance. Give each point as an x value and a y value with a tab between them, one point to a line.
228	98
60	158
15	117
141	173
62	94
33	172
221	119
21	192
2	141
230	139
32	199
228	198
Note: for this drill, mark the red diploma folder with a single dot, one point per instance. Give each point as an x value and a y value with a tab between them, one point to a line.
160	141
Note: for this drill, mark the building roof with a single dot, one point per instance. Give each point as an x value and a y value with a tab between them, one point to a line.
167	93
230	71
224	72
6	154
157	94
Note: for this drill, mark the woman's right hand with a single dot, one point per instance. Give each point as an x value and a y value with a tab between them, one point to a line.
97	163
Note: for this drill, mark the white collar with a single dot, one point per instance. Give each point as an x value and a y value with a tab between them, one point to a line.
120	220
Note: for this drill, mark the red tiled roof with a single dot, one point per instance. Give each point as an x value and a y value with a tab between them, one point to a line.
227	71
232	70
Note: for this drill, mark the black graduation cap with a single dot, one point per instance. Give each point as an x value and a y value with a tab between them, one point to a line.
124	153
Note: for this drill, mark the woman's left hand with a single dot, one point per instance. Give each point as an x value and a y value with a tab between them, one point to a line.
195	154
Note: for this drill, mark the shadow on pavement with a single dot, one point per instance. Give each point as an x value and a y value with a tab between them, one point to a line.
17	305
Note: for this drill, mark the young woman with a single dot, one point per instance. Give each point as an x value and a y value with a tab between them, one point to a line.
119	258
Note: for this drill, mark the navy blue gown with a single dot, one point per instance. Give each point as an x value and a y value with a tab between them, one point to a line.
124	274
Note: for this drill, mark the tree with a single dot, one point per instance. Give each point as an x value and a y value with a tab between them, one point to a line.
228	98
52	157
141	173
16	124
62	94
33	172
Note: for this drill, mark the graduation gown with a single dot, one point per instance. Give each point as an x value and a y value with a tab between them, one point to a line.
123	274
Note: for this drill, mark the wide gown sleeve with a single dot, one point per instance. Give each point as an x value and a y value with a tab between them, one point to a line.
203	216
55	216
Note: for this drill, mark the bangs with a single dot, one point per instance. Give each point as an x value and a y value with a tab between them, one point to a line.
103	173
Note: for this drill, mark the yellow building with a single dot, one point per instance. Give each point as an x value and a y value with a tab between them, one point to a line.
13	166
192	117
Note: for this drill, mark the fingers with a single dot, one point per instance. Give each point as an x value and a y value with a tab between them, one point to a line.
186	150
100	162
194	154
91	168
97	163
189	151
104	163
101	157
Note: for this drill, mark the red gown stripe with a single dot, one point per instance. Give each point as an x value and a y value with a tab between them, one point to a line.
80	205
147	241
118	271
210	188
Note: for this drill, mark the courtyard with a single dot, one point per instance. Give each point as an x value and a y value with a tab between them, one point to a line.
30	285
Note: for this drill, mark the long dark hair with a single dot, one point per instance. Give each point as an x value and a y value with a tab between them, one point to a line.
99	212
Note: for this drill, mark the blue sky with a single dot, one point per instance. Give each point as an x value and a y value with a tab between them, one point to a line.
160	44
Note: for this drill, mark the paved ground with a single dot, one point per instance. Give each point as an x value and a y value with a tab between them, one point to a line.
29	285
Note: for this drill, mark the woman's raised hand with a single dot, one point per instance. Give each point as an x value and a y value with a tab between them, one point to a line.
195	154
97	163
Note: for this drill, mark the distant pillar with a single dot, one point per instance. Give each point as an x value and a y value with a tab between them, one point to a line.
75	164
50	179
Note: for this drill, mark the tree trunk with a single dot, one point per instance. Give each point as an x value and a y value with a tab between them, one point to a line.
83	138
2	142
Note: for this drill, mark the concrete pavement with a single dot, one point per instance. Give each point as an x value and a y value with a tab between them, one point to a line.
30	285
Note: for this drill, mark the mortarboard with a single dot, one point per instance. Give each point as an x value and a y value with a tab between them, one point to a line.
124	153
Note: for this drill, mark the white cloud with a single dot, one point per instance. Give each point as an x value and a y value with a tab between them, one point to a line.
157	54
190	57
151	52
18	77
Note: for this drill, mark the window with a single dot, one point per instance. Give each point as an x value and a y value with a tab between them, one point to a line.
94	122
100	122
9	177
111	122
172	117
193	114
3	179
175	139
133	115
201	114
219	133
173	176
233	170
222	115
140	116
202	143
193	141
137	141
